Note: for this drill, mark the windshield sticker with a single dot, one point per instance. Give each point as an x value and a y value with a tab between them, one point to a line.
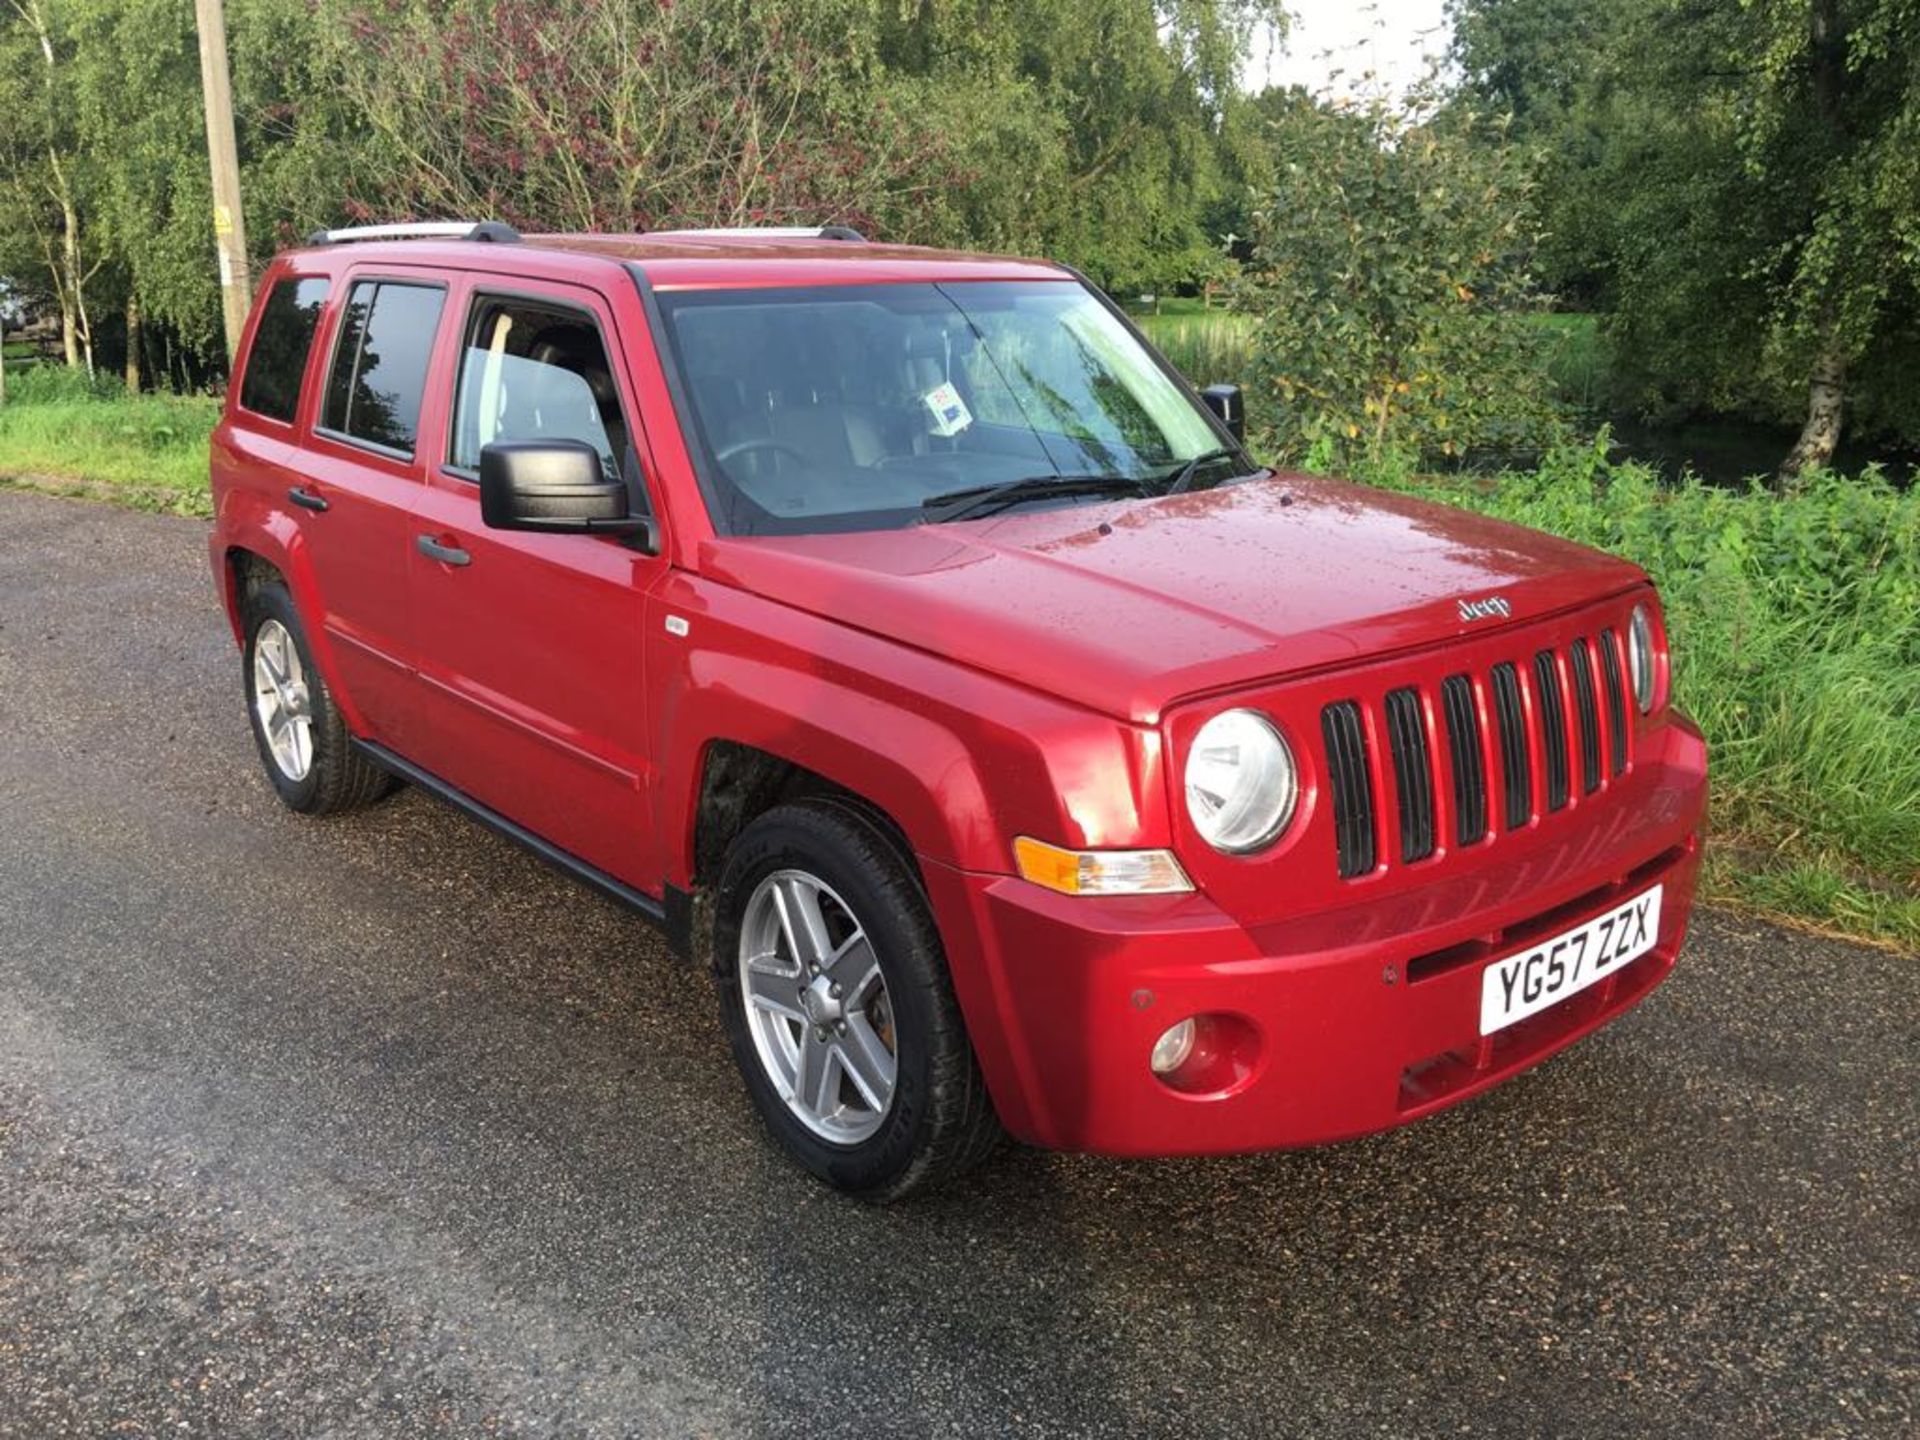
950	413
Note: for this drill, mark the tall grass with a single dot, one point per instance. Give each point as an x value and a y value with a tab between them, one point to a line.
1208	346
1795	626
58	429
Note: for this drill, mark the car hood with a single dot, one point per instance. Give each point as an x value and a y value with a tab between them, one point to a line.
1127	606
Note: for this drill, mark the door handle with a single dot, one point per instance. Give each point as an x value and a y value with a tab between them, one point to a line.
306	499
445	554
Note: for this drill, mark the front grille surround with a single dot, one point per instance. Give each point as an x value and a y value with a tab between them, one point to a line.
1497	747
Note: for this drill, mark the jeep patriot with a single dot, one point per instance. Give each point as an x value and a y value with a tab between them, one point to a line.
902	635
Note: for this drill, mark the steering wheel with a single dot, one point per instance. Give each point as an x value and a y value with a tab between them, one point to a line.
756	443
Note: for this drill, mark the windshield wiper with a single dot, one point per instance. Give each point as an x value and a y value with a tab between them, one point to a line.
1181	478
985	499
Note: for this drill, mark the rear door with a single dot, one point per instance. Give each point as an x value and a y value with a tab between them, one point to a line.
529	646
357	476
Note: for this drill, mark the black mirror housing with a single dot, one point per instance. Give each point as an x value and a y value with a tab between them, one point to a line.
1228	406
552	485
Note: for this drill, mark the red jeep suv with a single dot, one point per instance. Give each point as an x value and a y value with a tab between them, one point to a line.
907	639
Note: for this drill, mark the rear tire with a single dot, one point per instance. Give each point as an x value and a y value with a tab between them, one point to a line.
304	746
826	872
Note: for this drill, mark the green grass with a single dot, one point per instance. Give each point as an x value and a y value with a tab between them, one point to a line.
1207	346
1169	305
58	431
1578	360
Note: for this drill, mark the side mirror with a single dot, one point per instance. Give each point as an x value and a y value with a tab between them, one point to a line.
553	485
1225	402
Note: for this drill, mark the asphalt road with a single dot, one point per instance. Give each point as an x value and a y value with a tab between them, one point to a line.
378	1127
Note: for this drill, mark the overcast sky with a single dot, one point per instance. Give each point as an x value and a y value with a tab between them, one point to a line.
1392	38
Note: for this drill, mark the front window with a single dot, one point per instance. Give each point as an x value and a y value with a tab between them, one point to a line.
852	407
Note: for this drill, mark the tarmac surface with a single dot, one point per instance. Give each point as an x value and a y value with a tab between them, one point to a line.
376	1126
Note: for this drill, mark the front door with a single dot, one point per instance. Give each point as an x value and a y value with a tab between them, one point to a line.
533	698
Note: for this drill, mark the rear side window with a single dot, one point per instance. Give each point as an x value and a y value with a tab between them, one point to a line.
380	363
278	361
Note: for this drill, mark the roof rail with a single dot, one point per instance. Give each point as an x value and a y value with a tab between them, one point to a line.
772	232
491	230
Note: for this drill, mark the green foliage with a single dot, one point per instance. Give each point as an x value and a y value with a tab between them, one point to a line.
1795	625
1390	282
1735	182
1104	132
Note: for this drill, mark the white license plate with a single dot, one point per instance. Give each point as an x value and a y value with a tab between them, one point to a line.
1547	973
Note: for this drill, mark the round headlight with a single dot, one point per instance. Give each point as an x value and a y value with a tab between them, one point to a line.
1241	784
1640	657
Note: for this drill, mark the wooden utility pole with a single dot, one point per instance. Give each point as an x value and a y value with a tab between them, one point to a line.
229	228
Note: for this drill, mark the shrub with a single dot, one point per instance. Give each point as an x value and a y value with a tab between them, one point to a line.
1390	284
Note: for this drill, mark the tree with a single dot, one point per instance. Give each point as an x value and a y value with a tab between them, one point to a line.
1100	131
1739	185
1390	279
45	166
1106	132
606	115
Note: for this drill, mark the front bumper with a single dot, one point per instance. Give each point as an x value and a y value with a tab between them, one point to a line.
1365	1016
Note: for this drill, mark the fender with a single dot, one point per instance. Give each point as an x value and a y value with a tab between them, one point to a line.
962	762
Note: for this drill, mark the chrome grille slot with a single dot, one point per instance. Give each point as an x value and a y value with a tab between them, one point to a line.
1580	660
1616	700
1412	773
1463	749
1346	741
1553	728
1517	769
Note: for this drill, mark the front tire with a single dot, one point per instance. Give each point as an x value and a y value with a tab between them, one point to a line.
303	742
836	1001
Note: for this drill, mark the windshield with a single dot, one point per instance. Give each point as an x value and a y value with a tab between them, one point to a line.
851	407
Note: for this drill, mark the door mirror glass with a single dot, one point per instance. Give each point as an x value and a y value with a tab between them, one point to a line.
1226	403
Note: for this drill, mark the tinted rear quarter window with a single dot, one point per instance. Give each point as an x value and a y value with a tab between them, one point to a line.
278	360
380	363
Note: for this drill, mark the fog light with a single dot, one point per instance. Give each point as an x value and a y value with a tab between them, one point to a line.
1171	1050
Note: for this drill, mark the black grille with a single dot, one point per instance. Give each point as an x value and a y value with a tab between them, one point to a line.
1463	748
1616	700
1352	791
1583	697
1517	773
1553	727
1412	773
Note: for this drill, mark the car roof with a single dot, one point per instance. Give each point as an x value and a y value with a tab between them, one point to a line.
688	260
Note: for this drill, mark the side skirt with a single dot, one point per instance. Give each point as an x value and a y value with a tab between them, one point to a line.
673	915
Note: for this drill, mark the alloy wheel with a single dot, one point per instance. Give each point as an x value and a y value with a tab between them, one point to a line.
282	701
817	1006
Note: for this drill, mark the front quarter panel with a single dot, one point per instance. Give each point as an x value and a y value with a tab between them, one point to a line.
961	761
